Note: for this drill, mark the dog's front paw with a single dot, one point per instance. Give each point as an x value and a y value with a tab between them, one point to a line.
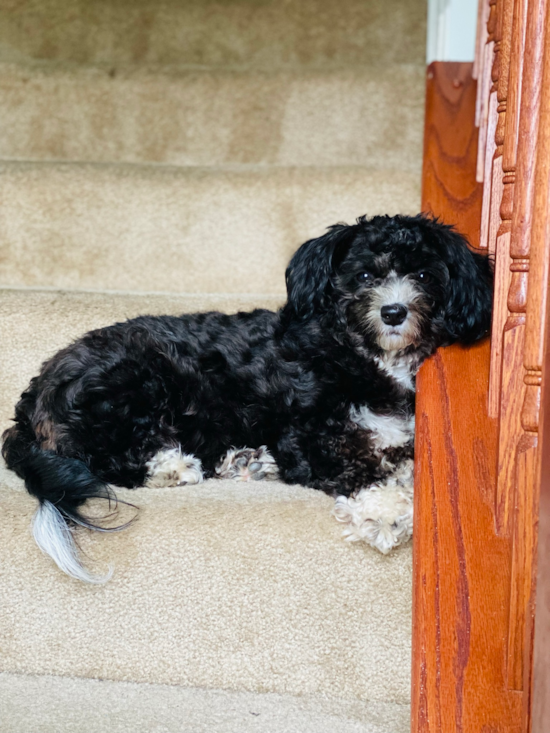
248	464
381	515
171	467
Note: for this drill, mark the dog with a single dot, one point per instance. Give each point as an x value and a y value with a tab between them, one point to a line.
320	393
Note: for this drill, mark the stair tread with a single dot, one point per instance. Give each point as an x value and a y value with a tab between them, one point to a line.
48	704
267	33
214	117
171	229
224	585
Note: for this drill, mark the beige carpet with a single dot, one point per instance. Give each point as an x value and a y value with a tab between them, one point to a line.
218	586
250	33
214	117
164	157
60	705
127	227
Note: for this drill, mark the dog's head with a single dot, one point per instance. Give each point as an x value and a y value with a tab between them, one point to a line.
397	281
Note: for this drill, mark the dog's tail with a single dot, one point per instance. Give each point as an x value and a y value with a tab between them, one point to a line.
61	486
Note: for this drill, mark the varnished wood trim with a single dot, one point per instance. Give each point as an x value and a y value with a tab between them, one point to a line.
461	567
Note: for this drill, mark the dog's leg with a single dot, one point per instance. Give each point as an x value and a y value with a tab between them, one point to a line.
248	464
171	467
382	513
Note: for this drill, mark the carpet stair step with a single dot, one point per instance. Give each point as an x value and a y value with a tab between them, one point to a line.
223	585
47	704
172	229
268	34
214	117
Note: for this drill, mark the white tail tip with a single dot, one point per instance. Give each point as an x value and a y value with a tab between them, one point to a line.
55	538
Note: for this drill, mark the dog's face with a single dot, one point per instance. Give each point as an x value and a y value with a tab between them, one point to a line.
400	281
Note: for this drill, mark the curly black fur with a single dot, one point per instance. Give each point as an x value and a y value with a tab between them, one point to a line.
102	407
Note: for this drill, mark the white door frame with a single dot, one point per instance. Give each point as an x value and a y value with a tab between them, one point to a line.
451	30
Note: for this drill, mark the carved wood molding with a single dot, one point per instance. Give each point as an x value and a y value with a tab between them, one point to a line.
502	64
506	387
511	131
516	185
481	39
485	61
537	707
538	251
519	389
518	188
499	245
536	328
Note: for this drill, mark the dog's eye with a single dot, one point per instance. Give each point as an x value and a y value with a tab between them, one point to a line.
365	277
424	276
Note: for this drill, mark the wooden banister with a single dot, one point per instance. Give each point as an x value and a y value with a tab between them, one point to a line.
479	617
460	611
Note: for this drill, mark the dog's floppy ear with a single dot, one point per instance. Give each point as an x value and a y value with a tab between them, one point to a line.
308	276
470	293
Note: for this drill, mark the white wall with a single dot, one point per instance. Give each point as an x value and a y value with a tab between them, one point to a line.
451	30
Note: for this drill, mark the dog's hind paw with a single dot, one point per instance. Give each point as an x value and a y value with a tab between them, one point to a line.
248	464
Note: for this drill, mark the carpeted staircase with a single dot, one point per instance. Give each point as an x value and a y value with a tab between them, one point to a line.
163	157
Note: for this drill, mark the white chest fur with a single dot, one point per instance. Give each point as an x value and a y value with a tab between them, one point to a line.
401	368
388	431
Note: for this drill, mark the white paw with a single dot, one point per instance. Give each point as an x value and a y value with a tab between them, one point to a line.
171	467
382	514
248	464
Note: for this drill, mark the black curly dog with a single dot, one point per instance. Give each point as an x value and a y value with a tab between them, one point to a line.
310	391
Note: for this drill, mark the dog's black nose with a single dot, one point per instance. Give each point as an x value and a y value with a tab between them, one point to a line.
393	314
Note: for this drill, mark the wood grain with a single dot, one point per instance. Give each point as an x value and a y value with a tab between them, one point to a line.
485	241
528	129
509	155
483	11
517	485
444	186
536	329
461	567
500	245
539	705
510	272
481	40
482	106
503	55
491	173
506	387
